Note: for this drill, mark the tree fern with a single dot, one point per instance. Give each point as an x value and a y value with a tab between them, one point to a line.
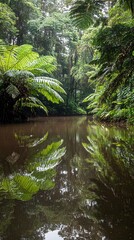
19	68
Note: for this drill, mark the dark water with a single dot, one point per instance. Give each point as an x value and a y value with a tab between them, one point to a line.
66	178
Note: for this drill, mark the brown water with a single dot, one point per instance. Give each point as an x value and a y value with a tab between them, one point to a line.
66	178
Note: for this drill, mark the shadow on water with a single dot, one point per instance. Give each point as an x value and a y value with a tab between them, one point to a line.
66	178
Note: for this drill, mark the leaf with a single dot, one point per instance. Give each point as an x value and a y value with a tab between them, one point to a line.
48	158
31	102
84	13
13	91
29	141
26	184
51	82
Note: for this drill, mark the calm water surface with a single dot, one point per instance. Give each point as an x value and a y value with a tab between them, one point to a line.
66	178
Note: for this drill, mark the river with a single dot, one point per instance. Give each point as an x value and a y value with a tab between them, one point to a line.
66	178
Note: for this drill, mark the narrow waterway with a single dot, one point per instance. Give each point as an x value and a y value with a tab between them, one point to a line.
66	178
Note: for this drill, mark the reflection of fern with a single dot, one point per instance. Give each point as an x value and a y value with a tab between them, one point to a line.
111	156
48	158
38	174
29	141
109	148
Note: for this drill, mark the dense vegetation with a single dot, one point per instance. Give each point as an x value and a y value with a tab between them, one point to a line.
87	45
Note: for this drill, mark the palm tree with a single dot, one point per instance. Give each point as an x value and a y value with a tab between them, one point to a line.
19	84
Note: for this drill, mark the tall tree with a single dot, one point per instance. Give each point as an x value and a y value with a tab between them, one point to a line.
24	11
7	23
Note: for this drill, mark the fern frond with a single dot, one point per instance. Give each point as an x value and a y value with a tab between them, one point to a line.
24	55
51	82
18	74
24	58
31	102
50	88
7	57
44	64
13	91
50	156
19	66
30	141
51	94
83	13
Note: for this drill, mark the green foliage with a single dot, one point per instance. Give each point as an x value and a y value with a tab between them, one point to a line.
19	86
74	109
50	31
117	15
113	97
25	59
128	4
24	11
110	68
84	13
7	22
111	159
38	173
102	55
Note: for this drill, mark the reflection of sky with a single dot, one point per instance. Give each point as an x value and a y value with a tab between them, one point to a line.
50	235
53	235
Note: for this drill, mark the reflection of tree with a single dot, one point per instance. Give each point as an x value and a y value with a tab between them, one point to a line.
111	156
50	208
70	208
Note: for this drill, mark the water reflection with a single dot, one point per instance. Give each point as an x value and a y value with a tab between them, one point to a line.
111	155
38	171
92	196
